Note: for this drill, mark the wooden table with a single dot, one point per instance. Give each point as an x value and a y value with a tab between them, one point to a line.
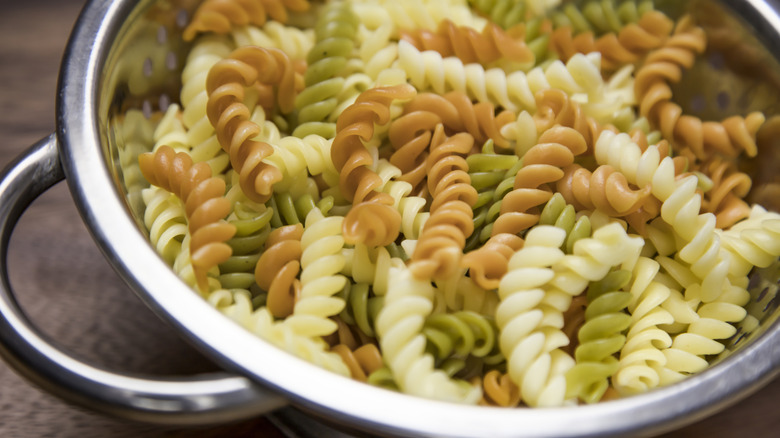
69	289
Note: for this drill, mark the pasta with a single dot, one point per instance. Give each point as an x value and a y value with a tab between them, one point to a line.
428	70
204	206
278	267
641	355
321	262
410	134
542	164
164	218
601	16
664	65
220	16
499	390
335	31
562	215
509	13
490	45
600	337
399	328
352	160
529	334
624	45
438	250
729	187
411	14
460	334
484	202
252	224
230	117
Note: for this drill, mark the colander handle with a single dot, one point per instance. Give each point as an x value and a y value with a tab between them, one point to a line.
197	400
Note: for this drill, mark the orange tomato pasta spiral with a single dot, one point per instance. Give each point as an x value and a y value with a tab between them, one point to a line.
471	46
410	134
555	107
498	389
542	164
605	189
440	246
490	262
221	16
653	91
617	49
361	361
277	269
726	197
459	114
204	205
372	219
230	117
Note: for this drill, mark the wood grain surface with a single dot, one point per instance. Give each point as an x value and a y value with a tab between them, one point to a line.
71	292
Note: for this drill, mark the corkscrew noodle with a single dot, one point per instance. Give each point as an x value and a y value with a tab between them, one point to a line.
542	164
321	263
221	16
252	222
528	332
165	219
622	46
372	218
600	337
662	67
231	117
489	45
488	264
335	30
399	328
278	268
498	389
641	355
514	91
204	205
362	361
444	235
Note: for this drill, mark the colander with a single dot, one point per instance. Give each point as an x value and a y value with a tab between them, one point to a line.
127	55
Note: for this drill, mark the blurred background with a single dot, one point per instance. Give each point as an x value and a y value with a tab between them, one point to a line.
72	293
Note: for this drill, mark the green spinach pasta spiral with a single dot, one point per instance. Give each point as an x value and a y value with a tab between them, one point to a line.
600	337
335	31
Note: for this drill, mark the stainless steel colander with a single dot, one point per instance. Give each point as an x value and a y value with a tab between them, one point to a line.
127	56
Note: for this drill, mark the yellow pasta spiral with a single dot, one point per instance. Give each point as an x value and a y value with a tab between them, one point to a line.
662	67
277	269
230	117
204	205
221	16
372	219
471	46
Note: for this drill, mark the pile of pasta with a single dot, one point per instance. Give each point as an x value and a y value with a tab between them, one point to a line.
487	202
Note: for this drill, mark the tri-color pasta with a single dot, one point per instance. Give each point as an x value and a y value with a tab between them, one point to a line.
489	202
